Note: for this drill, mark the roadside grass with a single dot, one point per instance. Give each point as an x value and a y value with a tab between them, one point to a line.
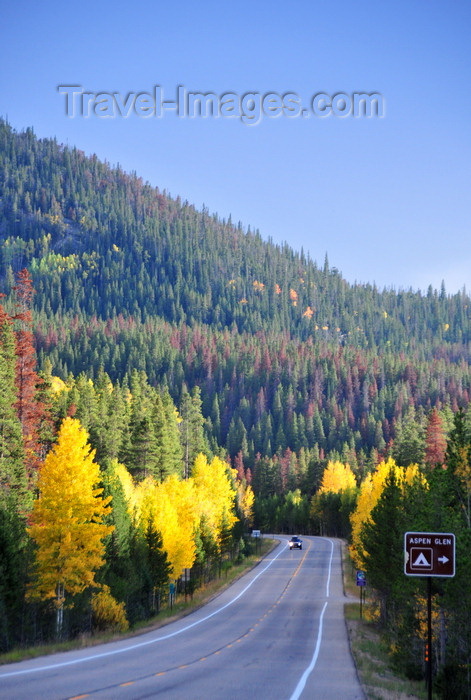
181	607
379	680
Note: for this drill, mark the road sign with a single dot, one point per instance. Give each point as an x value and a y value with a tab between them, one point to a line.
361	578
429	554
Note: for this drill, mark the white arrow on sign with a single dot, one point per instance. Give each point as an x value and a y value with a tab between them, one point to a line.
443	559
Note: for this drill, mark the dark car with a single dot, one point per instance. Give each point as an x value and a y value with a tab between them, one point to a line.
295	543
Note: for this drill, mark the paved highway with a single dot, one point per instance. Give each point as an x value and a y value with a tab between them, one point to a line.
277	633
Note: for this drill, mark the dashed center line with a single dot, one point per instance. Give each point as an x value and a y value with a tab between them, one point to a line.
216	651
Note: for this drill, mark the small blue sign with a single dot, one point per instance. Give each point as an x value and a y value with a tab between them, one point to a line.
361	578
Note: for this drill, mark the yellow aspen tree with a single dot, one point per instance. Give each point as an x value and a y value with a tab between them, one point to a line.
66	522
215	493
107	613
181	493
245	500
171	507
370	493
334	498
337	477
146	503
175	506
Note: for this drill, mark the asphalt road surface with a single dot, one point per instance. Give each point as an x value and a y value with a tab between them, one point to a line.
277	633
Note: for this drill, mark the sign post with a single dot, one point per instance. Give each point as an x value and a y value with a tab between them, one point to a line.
429	554
256	535
361	582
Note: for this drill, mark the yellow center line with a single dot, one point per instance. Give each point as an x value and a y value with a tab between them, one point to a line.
228	646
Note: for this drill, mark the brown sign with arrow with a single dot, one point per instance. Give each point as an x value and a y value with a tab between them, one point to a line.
429	554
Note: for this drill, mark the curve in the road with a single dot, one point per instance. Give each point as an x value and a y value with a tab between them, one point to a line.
246	659
148	642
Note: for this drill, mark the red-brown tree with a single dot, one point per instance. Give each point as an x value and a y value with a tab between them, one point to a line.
435	440
30	410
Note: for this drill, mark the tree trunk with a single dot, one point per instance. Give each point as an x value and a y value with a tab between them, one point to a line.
59	610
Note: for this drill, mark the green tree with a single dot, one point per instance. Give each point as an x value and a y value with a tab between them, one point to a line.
14	552
166	426
409	445
458	462
382	539
158	564
13	480
191	428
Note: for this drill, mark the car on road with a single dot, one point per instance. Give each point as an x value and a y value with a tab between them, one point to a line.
295	543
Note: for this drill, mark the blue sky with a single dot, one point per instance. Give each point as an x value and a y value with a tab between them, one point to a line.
387	198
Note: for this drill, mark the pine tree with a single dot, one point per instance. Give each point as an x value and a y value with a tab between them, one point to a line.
13	480
409	446
458	463
382	539
166	424
142	453
191	427
158	564
14	553
145	447
44	397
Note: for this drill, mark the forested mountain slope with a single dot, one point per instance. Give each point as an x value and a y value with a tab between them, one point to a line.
99	241
287	354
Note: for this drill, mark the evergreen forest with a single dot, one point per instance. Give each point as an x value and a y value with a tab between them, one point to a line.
204	381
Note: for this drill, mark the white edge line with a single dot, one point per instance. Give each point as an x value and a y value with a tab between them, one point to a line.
302	681
327	588
93	657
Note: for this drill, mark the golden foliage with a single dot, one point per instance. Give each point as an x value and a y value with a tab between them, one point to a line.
107	613
170	507
309	313
369	495
337	477
246	500
175	506
58	385
215	492
67	518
